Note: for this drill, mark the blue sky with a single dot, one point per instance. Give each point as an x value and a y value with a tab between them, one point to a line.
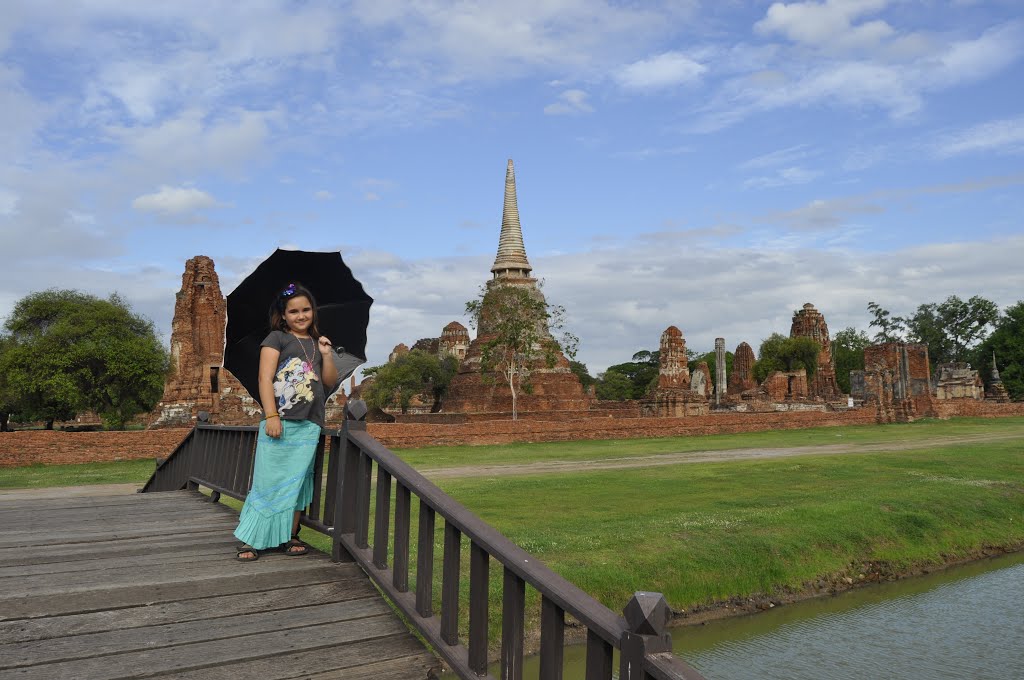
709	165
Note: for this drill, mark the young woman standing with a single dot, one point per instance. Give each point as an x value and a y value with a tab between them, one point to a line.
296	371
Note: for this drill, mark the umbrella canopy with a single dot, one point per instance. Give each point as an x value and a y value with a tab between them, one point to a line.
343	312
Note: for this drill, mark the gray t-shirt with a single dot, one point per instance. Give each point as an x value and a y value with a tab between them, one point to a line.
297	385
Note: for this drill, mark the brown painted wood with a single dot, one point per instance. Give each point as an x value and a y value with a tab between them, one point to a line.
479	592
450	585
382	519
599	658
103	595
167	660
513	604
400	575
356	660
425	563
120	641
552	640
198	610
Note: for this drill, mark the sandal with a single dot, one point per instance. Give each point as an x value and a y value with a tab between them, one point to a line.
247	549
294	547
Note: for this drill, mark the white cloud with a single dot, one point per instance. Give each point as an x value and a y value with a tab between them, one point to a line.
616	316
174	201
783	177
896	80
661	71
653	152
779	157
323	195
569	102
999	136
8	202
491	39
195	142
822	214
828	25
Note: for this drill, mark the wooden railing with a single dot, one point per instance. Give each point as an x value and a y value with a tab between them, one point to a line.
220	458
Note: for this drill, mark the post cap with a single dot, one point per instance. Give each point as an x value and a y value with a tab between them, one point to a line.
647	613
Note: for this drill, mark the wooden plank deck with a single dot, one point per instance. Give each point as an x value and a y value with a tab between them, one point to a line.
147	585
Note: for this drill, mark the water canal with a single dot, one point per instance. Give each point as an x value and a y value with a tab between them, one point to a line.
964	622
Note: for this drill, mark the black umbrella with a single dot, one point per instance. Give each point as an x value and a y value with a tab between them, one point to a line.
343	312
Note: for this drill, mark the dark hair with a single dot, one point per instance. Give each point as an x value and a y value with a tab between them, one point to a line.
280	303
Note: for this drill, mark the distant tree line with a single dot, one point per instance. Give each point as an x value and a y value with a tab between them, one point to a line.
63	352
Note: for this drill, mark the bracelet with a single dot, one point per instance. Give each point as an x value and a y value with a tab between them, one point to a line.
272	415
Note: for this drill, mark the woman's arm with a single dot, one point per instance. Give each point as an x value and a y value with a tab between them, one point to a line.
268	366
328	371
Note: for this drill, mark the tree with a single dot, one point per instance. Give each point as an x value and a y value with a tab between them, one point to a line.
952	329
70	352
579	369
614	386
890	328
848	355
414	373
640	374
768	356
1007	344
515	325
779	353
7	397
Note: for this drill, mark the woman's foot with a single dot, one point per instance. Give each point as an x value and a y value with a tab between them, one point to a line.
294	548
247	554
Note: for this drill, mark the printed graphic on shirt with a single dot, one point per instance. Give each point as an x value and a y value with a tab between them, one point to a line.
292	384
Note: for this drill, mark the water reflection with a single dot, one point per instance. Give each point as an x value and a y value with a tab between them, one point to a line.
966	622
962	623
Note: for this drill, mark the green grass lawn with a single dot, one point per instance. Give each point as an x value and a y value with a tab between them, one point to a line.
435	457
39	476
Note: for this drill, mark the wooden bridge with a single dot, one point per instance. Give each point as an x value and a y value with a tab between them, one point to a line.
146	585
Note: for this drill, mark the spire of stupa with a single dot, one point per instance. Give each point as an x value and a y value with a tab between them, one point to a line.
511	259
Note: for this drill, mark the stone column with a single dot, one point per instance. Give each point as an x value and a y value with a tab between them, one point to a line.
720	387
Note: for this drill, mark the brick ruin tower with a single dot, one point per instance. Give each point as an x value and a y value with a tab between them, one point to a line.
742	378
555	388
810	323
454	341
673	395
197	380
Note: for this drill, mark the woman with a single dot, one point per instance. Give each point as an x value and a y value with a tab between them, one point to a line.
295	366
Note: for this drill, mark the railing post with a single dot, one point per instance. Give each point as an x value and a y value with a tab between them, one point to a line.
345	489
647	615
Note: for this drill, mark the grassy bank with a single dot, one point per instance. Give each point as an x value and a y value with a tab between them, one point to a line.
40	476
439	457
706	532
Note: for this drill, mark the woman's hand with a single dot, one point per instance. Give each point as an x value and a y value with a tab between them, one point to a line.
325	346
273	427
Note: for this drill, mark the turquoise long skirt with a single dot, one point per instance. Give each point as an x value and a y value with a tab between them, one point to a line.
282	482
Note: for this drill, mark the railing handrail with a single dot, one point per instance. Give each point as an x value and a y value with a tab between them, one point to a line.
221	458
594	615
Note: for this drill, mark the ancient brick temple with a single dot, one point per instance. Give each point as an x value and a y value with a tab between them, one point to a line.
742	377
996	390
673	395
904	365
810	323
197	380
553	388
454	341
957	380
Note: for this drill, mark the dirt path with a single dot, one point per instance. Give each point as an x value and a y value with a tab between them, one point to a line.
655	460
